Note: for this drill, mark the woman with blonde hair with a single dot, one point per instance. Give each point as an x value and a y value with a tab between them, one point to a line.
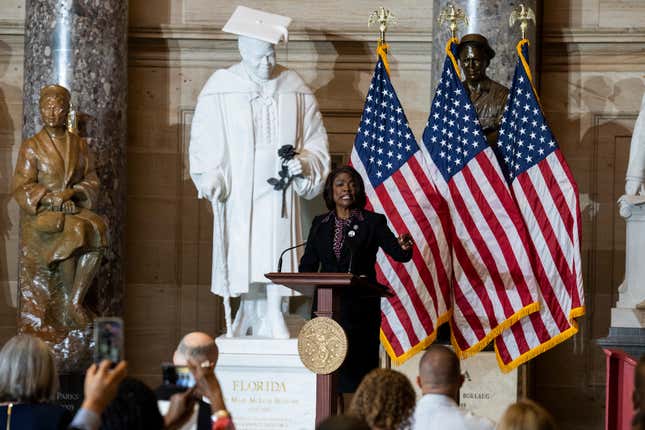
28	385
385	400
526	415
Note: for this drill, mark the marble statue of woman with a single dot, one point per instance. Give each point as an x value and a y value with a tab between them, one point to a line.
632	209
635	177
244	115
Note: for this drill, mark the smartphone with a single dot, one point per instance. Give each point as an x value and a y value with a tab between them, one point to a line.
185	379
108	339
177	375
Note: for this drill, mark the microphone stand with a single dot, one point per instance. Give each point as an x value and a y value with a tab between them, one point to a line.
285	251
351	244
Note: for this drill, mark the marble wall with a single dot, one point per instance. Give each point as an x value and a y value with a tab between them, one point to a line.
592	80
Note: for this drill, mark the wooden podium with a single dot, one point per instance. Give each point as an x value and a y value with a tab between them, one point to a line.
328	287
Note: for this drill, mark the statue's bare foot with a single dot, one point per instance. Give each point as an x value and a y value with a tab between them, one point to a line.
243	321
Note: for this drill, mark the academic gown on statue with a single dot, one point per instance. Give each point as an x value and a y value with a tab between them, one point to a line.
223	147
360	316
636	166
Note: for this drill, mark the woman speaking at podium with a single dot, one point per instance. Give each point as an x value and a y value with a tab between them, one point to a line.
346	239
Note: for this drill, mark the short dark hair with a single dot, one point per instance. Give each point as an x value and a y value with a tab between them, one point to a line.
440	367
134	407
360	199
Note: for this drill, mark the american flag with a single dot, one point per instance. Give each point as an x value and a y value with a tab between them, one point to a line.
548	199
388	158
492	279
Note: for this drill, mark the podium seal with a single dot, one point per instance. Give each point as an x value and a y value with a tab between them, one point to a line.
322	345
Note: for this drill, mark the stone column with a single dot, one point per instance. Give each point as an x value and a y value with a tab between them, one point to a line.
489	18
82	45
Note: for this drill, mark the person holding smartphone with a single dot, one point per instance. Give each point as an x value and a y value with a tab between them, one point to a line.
207	385
177	376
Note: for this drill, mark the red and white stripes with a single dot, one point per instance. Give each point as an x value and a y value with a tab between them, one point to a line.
422	286
493	281
548	200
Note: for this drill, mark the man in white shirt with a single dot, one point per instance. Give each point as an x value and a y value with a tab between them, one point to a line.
440	379
199	347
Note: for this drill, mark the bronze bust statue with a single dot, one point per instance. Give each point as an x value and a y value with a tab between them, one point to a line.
488	96
63	240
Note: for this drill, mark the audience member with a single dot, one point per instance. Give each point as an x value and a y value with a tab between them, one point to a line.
28	386
135	407
385	400
343	422
207	385
101	385
201	348
526	415
440	379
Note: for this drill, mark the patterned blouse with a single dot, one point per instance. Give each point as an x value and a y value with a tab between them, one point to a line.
340	227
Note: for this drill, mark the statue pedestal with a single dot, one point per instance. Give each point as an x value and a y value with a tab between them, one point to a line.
625	342
70	391
630	308
627	331
265	385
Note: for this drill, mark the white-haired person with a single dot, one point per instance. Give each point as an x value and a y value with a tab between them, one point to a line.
28	386
29	382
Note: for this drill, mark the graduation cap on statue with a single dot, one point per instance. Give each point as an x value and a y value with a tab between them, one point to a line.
258	24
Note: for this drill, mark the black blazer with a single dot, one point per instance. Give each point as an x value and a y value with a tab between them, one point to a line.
36	416
372	232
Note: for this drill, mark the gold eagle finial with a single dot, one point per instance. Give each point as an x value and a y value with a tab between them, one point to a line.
452	16
524	15
383	17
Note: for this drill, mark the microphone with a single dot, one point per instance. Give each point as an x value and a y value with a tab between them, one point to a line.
352	245
312	233
285	251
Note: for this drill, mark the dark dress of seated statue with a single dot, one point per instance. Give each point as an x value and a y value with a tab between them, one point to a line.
62	239
328	250
488	97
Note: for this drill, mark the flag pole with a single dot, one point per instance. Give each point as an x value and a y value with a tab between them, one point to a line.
523	15
384	18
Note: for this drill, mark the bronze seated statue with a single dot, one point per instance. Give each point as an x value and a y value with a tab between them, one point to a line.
63	240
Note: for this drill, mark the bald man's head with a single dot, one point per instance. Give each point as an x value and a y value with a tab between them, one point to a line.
197	346
439	371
